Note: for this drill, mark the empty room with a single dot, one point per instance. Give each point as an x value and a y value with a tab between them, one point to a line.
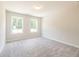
39	29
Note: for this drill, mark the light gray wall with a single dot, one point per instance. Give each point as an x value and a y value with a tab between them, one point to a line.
2	27
63	25
26	33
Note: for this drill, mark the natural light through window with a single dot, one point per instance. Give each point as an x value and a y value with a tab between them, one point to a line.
16	24
33	24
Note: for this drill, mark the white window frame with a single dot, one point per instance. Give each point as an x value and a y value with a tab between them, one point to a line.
16	30
32	29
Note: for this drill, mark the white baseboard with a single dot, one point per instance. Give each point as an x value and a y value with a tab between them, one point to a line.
70	44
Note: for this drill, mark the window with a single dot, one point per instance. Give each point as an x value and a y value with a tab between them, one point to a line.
16	24
33	24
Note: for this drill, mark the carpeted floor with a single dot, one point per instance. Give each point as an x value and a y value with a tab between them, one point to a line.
38	47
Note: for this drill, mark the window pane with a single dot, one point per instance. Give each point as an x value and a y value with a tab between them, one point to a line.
33	25
13	22
19	26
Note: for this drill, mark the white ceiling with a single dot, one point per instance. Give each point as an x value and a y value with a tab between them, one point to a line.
26	7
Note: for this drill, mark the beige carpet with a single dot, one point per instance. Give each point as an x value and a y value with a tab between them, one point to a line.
38	47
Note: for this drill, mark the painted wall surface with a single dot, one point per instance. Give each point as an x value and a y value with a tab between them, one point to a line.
63	24
2	27
26	28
